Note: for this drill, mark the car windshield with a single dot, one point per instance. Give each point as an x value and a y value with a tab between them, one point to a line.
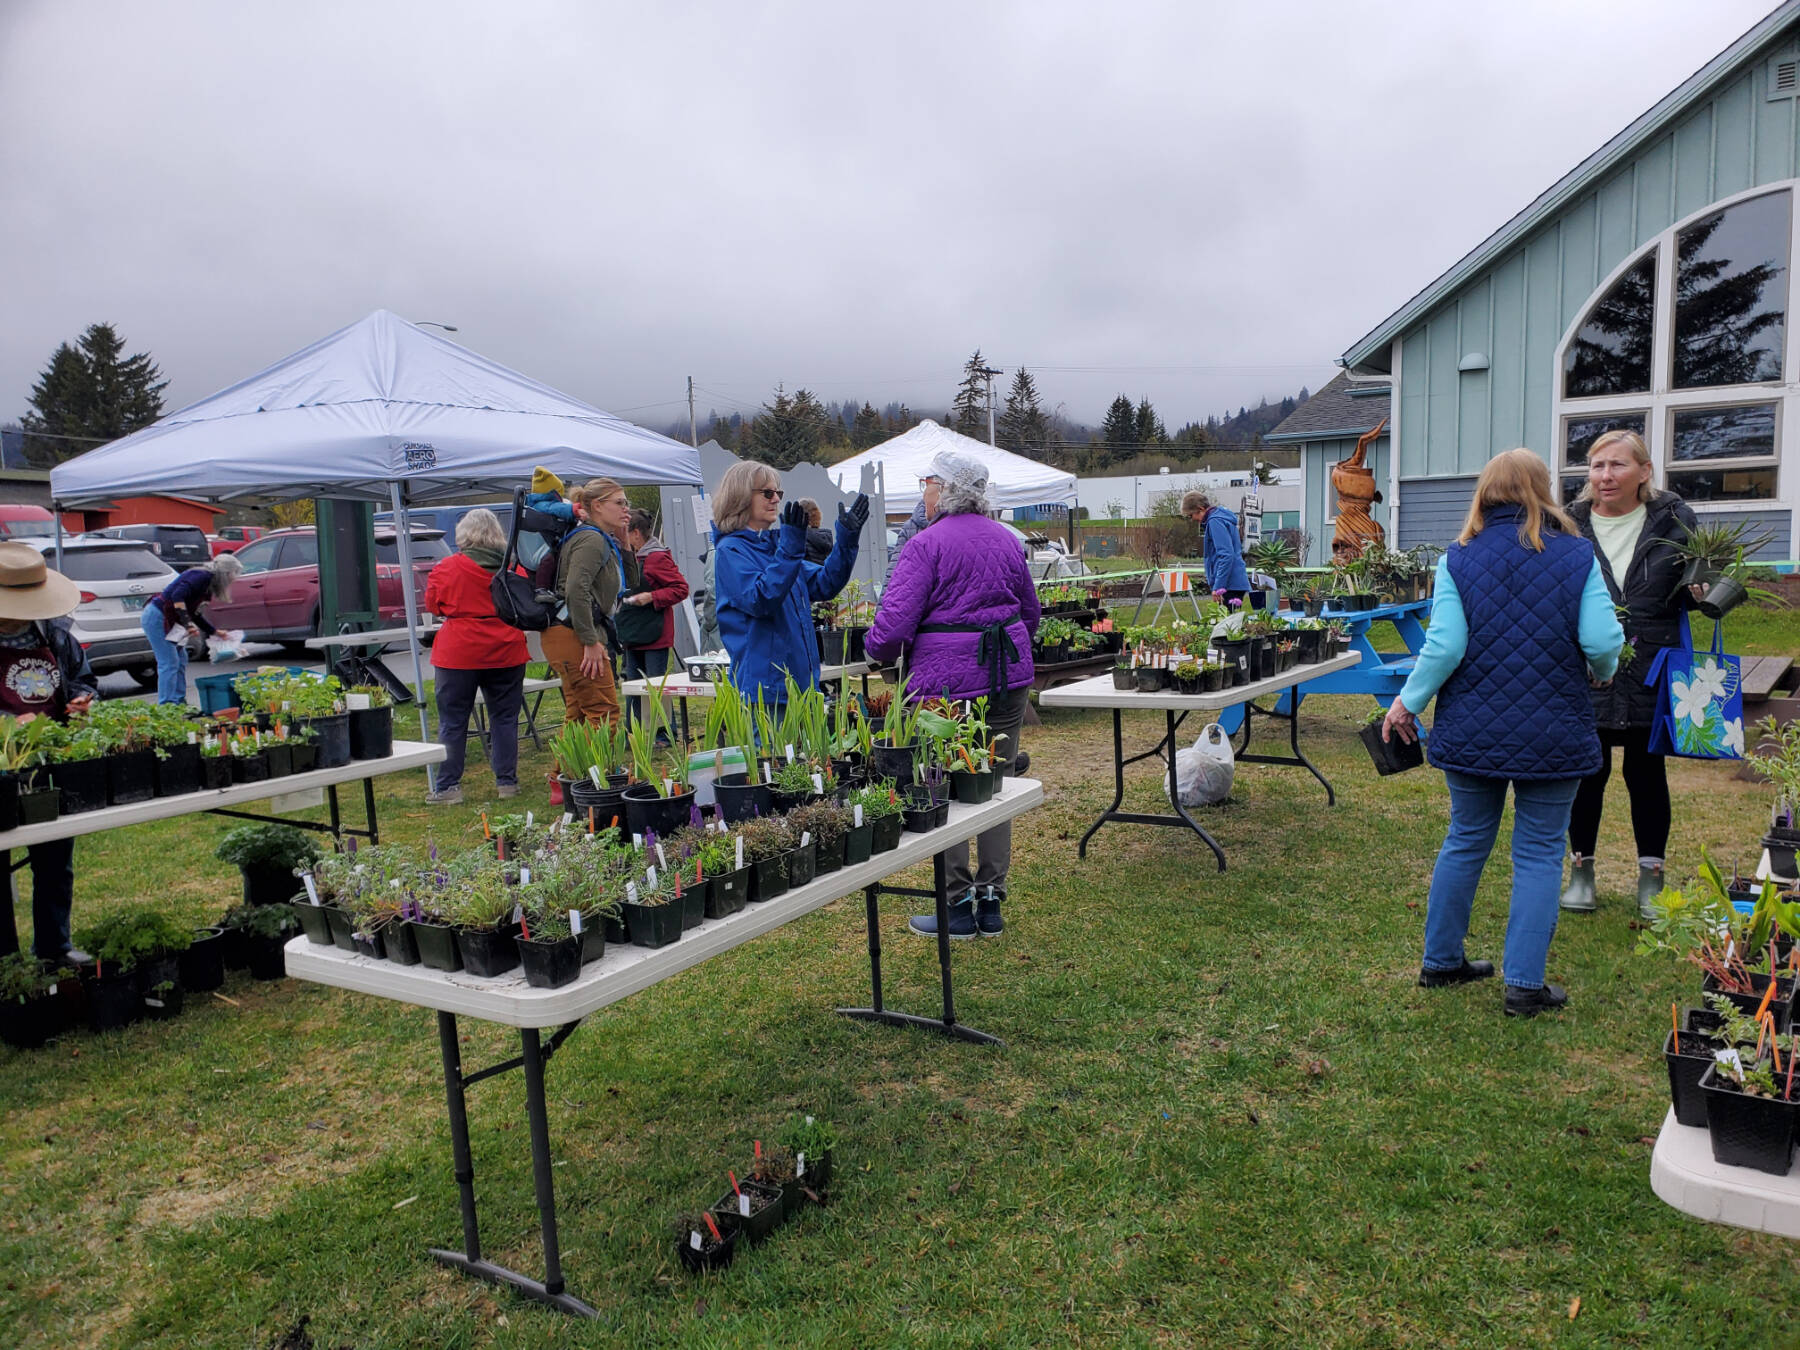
423	550
109	564
28	529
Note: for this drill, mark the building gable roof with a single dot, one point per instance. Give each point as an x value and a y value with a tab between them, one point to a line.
1645	129
1341	408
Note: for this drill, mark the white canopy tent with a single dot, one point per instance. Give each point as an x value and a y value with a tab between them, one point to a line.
381	411
1013	480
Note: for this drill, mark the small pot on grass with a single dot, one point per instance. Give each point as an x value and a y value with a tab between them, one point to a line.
764	1206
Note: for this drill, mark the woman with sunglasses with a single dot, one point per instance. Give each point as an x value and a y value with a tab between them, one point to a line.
766	588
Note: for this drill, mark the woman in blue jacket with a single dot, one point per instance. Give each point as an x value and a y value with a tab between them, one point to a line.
1223	553
1521	623
766	588
168	616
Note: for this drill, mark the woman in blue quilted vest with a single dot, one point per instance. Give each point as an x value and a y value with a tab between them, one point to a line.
1521	622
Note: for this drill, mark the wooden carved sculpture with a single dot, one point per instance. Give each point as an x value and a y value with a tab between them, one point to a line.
1354	483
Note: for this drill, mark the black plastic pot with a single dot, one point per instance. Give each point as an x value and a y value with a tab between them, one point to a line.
1310	641
112	1000
787	801
438	949
1235	653
1781	1009
740	799
371	944
612	927
550	965
1782	853
712	1253
1124	678
653	925
815	1173
306	756
648	811
343	929
39	807
314	922
1746	1131
267	884
266	956
766	1210
828	859
972	789
727	893
1723	596
486	951
130	776
215	772
1212	679
887	834
371	733
859	843
250	768
693	904
593	940
887	761
803	866
83	784
831	646
1393	755
178	772
160	1003
281	759
1685	1072
334	739
202	965
919	819
1151	679
769	877
28	1024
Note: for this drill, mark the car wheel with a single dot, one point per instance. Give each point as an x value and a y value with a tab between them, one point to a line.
143	676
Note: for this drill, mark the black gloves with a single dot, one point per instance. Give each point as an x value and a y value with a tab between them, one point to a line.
795	515
856	514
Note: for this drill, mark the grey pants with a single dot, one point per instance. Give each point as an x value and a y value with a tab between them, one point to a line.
993	849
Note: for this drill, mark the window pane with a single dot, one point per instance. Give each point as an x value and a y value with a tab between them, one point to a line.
1572	484
260	556
1723	433
1731	294
1580	433
1611	351
1724	485
110	564
300	550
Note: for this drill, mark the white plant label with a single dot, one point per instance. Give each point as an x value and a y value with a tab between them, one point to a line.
575	922
805	838
594	774
818	782
799	1165
637	841
528	820
357	702
858	810
518	912
312	891
668	788
790	754
153	1003
1729	1058
661	857
740	852
192	739
395	883
524	877
694	1239
568	818
765	768
743	1205
51	993
650	876
631	891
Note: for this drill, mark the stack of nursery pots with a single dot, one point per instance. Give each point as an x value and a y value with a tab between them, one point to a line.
775	1186
1733	1064
136	971
313	708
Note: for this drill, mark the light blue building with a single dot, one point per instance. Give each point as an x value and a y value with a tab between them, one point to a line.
1648	289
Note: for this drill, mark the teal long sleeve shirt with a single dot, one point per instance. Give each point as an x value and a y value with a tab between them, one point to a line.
1447	640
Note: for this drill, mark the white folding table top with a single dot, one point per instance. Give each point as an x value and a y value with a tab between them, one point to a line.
1098	692
678	686
382	636
407	755
624	969
1683	1173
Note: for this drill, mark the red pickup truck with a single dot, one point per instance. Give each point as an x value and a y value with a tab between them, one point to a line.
277	598
231	538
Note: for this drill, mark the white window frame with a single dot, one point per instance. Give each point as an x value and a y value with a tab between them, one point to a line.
1661	402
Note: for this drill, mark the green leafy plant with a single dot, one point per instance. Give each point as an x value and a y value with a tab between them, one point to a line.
766	837
23	977
280	846
808	1136
878	800
127	937
378	697
262	921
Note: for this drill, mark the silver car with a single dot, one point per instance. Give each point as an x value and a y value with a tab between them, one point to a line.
118	577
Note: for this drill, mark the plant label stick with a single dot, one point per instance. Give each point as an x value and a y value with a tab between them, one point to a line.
799	1165
631	891
740	852
765	769
486	832
594	774
805	838
650	876
524	877
694	1238
312	891
590	820
858	810
790	753
668	788
575	922
818	782
568	819
661	857
518	913
717	1235
637	841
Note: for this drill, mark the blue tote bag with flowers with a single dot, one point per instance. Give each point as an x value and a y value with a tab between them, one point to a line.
1699	700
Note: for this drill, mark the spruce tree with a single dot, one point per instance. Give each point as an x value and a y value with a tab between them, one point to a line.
968	410
789	430
1149	428
87	396
1023	425
1119	431
867	430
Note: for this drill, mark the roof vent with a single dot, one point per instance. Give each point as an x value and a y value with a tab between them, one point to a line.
1784	79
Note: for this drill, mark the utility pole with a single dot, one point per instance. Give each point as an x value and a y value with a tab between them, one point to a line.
693	428
989	372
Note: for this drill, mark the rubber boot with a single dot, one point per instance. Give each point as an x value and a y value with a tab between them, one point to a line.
1650	885
1579	897
962	920
987	911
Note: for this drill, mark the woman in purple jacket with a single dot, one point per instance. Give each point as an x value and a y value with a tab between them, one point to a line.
962	605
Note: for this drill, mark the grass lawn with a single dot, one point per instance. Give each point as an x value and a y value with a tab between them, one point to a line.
1225	1114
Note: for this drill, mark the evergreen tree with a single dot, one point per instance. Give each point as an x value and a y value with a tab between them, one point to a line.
1023	425
1119	430
867	430
968	410
898	419
724	432
91	395
789	430
1150	431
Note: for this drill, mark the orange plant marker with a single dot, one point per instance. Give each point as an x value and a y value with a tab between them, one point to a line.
1768	996
1675	1027
734	1184
486	833
717	1235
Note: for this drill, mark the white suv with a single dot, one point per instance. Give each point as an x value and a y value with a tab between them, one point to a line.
118	577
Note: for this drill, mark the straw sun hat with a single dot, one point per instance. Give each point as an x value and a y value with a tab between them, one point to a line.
29	589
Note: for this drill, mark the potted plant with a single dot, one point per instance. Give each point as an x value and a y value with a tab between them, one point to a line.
249	762
756	1209
1187	677
549	947
813	1144
1392	755
371	710
1777	757
702	1243
1738	954
30	1010
481	912
128	729
774	1166
77	758
895	754
202	965
1689	1051
792	785
303	745
768	842
215	762
652	918
883	810
1751	1107
21	755
827	823
261	932
267	856
136	955
656	802
1712	546
1212	676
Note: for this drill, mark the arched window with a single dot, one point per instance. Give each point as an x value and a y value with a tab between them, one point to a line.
1687	345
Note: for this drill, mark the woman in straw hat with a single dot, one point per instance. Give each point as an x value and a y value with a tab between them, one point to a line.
43	673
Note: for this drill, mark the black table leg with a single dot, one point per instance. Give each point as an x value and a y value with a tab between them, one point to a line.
1118	785
369	810
1297	759
1165	749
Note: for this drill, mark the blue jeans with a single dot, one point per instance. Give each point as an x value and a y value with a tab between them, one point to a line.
1540	819
171	660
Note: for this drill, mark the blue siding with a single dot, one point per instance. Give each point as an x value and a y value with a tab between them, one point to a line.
1432	510
1778	523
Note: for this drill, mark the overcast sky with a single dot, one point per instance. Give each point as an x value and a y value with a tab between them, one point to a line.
1204	203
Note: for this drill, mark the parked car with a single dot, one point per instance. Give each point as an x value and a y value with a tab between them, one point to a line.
18	521
178	545
230	538
117	578
277	598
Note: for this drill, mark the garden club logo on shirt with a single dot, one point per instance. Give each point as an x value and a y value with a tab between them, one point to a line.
32	679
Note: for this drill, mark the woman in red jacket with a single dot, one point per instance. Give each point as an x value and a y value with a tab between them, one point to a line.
664	588
475	650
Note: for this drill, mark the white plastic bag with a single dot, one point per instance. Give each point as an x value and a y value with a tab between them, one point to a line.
224	646
1203	772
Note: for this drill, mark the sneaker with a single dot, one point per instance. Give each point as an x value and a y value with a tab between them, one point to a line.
1531	1002
987	911
1469	970
508	790
450	796
962	920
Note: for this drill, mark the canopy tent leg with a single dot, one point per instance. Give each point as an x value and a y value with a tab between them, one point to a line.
56	514
412	621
